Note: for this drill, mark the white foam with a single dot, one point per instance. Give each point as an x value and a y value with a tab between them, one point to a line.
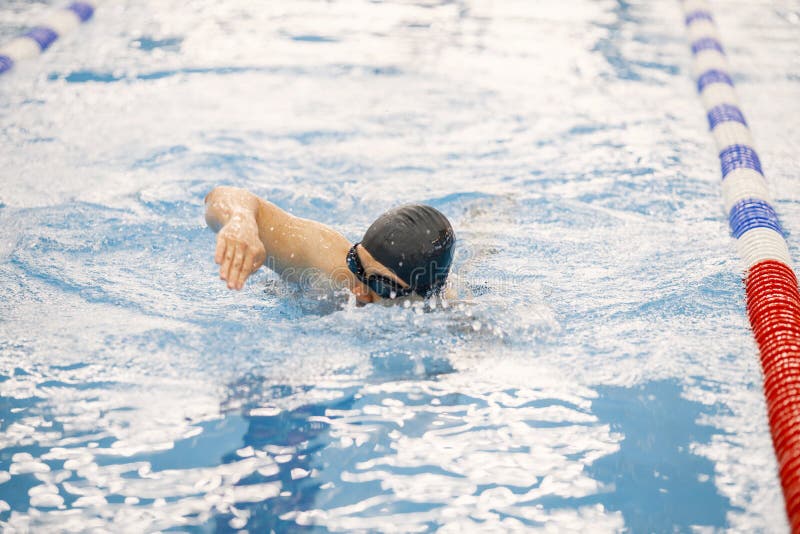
690	6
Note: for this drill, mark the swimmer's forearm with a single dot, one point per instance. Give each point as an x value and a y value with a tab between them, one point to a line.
299	248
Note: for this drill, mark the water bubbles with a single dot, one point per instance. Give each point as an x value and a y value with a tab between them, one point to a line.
265	411
269	470
45	496
237	522
298	473
245	452
23	463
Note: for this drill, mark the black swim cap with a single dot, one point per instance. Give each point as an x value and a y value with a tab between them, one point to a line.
416	242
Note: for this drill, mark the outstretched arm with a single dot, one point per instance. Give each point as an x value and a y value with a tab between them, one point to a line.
252	231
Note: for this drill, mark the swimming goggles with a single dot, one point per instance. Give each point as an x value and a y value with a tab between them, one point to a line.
384	287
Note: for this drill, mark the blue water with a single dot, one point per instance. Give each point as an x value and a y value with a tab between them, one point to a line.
595	374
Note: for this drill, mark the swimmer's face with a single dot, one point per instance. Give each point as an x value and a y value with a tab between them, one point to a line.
372	268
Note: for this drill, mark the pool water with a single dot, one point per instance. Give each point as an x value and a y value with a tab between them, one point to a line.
596	374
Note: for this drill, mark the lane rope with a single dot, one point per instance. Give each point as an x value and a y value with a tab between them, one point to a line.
58	23
773	300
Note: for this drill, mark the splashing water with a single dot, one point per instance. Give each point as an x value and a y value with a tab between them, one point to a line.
597	372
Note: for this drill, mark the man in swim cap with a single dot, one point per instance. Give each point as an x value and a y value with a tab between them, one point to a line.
407	250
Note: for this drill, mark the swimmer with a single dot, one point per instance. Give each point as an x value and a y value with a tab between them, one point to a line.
406	251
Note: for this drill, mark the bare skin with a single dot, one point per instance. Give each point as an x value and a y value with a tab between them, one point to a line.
252	232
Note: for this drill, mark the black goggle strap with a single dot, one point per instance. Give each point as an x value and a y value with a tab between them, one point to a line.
384	287
354	263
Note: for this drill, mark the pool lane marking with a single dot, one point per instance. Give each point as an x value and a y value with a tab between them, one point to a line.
40	37
773	299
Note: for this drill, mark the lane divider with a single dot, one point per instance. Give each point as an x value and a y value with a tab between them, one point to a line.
773	300
39	38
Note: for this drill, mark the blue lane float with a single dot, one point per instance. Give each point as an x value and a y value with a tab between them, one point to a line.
724	112
752	213
5	63
707	43
698	15
712	76
84	10
739	157
41	36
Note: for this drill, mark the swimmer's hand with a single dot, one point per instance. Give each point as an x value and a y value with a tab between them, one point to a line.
240	251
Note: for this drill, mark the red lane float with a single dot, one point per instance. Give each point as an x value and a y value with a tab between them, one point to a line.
773	305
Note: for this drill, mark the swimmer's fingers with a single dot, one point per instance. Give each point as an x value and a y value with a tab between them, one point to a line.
253	260
227	260
236	267
219	253
258	259
246	270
